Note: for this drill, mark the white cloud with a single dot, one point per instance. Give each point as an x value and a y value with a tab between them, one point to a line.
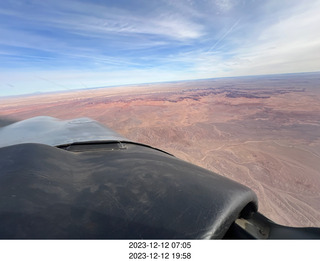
100	20
286	46
289	45
224	5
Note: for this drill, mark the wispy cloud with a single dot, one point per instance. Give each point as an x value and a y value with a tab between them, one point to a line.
100	21
225	34
92	43
291	44
224	5
100	35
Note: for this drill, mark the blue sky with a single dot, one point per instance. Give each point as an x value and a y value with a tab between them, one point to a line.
57	45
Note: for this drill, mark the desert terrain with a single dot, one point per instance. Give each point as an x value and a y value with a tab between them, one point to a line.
261	131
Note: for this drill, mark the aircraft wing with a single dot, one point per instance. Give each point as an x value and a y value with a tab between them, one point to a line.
55	132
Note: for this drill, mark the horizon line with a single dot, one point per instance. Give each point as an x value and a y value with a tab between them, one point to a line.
39	93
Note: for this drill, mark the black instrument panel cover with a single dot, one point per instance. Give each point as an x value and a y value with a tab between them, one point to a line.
129	192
